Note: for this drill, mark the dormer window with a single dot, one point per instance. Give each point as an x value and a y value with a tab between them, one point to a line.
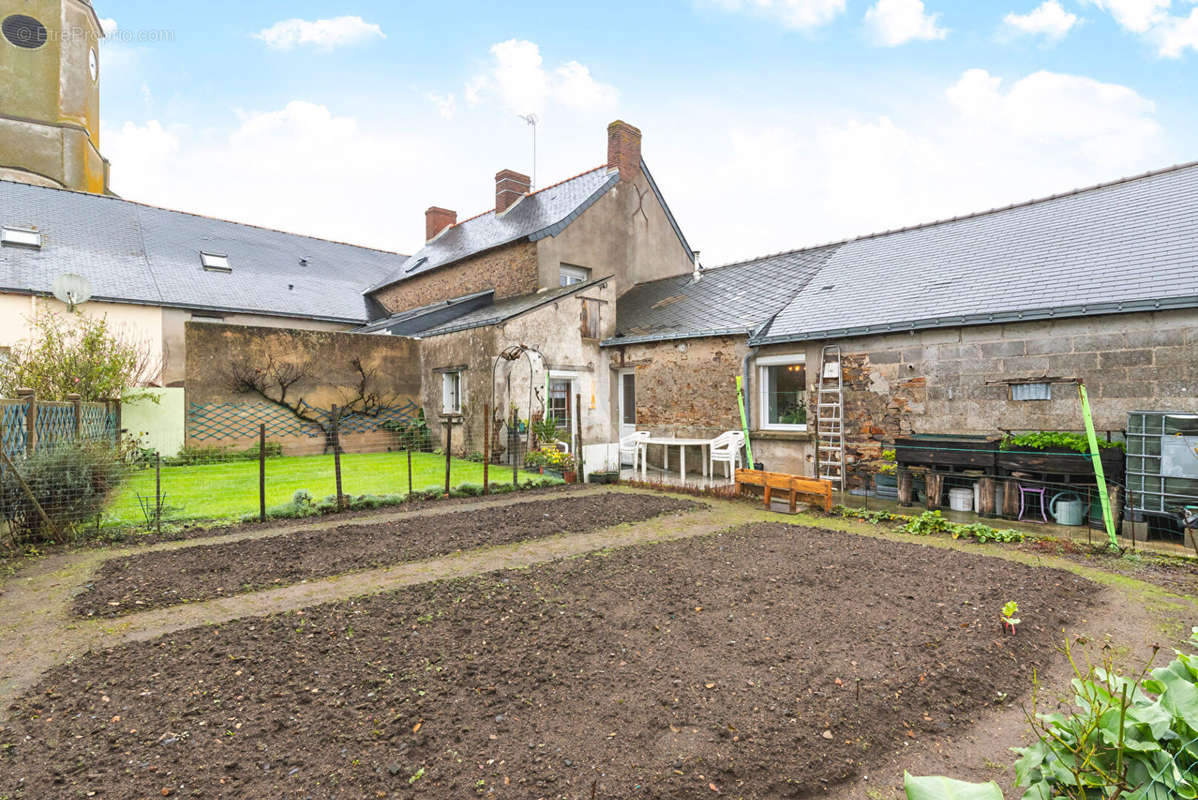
21	237
216	262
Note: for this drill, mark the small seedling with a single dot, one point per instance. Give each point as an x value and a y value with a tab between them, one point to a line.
1009	620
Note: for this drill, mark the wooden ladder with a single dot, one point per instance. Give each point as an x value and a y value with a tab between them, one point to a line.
829	417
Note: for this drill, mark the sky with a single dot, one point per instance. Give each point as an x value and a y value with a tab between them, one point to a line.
769	125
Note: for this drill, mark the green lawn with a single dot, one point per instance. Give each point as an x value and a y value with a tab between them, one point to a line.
230	490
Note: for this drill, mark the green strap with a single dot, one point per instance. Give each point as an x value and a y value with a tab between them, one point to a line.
1099	473
744	421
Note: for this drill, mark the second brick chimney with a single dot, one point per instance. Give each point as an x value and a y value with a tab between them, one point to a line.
624	149
437	220
510	186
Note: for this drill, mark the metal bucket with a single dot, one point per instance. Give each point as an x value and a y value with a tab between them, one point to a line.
1067	511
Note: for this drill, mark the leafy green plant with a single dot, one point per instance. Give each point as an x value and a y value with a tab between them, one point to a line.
1009	620
547	430
984	533
413	434
70	483
936	787
1056	441
188	456
1133	738
928	523
77	354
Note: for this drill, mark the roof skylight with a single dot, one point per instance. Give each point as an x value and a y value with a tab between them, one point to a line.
21	237
215	262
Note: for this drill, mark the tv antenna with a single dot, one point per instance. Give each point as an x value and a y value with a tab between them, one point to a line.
532	120
72	289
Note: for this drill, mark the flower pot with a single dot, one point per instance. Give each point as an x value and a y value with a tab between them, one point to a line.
605	477
570	476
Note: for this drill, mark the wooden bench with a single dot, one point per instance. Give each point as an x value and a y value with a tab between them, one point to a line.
793	485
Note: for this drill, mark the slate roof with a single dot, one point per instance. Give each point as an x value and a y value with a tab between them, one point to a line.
142	254
1126	246
508	308
735	299
545	212
415	320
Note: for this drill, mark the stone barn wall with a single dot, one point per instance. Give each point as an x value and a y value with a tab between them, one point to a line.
954	380
220	416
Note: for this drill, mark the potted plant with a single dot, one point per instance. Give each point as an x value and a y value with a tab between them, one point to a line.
555	461
535	460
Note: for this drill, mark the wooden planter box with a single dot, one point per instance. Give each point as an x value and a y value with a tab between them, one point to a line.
949	450
1023	459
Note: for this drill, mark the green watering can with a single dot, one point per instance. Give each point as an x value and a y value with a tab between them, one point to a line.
1067	508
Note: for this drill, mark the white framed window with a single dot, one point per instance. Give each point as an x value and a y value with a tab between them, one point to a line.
571	275
451	392
21	237
215	262
782	393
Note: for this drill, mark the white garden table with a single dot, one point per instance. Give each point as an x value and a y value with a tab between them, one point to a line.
666	443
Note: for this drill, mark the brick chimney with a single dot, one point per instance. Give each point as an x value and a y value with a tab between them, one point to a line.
437	220
624	149
510	186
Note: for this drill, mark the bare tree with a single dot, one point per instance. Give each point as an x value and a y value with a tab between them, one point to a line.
276	381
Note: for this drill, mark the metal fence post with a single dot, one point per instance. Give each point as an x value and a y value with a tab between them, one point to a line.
448	451
335	431
578	464
486	448
262	472
513	441
158	493
30	397
409	470
77	410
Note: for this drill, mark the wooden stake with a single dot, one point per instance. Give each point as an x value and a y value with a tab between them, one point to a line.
486	449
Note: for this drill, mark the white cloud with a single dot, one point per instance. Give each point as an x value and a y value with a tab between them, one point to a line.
324	34
1170	35
144	153
517	78
109	26
446	104
1175	35
797	14
1061	109
895	22
1048	19
1137	16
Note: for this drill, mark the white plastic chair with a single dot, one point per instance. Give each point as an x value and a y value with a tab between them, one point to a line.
726	448
633	445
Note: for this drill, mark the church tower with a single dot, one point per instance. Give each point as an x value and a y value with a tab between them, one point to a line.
50	94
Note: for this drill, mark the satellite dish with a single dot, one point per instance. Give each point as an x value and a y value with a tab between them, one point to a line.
72	290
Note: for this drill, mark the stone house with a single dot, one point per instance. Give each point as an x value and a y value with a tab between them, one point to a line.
960	326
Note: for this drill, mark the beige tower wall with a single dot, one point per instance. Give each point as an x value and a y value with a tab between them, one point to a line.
50	117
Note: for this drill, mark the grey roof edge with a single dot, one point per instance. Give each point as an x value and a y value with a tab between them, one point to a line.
661	199
501	317
672	336
151	206
549	230
195	307
414	313
972	215
560	225
993	318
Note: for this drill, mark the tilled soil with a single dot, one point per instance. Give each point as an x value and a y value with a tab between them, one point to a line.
1176	575
768	662
150	580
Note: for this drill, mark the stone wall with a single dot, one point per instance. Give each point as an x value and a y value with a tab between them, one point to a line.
955	380
330	378
510	270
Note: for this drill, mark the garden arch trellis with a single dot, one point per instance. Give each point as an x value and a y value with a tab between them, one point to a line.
512	354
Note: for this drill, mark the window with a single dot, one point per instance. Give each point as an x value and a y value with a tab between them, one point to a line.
561	394
23	31
451	393
783	381
21	237
1031	391
93	63
570	275
215	262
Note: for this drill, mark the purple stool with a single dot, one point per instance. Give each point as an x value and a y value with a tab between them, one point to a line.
1026	490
